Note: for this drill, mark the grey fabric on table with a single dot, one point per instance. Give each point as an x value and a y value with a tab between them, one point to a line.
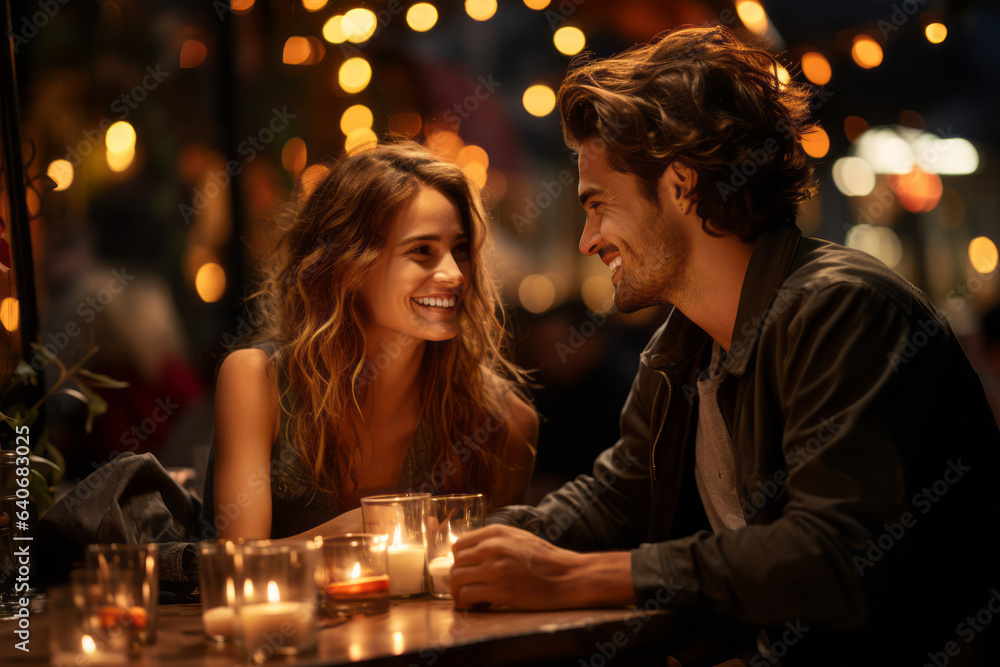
131	499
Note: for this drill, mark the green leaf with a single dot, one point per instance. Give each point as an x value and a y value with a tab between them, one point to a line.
99	380
40	492
43	351
46	467
96	406
53	453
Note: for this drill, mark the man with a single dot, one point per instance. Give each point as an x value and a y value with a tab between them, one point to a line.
805	448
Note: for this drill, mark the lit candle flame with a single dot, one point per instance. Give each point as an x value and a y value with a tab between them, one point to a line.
356	571
272	592
248	589
230	592
397	539
88	644
451	536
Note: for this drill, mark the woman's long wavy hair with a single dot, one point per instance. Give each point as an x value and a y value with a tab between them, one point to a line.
701	97
331	238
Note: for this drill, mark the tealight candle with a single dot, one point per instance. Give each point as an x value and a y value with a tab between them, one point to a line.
220	622
446	518
276	597
440	571
402	517
355	577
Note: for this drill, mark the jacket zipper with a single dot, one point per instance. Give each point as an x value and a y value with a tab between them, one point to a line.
666	408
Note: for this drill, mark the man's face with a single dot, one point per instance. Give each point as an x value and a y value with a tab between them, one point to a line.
640	242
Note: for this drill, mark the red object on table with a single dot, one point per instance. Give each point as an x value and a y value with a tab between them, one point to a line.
363	587
111	616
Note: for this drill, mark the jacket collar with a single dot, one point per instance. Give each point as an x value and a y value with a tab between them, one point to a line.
678	338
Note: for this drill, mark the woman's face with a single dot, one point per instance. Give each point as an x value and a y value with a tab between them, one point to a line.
417	287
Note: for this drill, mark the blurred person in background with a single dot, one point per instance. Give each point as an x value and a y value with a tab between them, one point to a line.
378	367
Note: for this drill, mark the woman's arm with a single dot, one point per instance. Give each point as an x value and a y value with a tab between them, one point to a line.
246	423
518	454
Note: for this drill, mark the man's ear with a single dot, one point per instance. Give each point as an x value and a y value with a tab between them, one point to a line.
676	186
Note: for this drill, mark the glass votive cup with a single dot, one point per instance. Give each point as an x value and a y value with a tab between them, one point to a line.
217	588
276	597
447	518
128	577
355	574
77	636
401	518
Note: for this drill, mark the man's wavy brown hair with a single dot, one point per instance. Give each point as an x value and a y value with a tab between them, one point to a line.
332	236
700	97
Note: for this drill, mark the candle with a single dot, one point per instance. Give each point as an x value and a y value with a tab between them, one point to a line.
219	622
440	571
276	624
406	567
362	587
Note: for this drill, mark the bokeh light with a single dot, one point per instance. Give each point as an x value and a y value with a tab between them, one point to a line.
210	282
853	177
361	138
354	75
119	161
294	155
297	51
536	293
878	241
481	10
444	143
816	68
537	5
240	7
359	25
60	171
476	173
539	100
854	127
473	154
753	16
333	30
983	254
193	53
917	190
866	52
354	117
816	143
313	5
10	316
120	137
569	40
936	33
422	16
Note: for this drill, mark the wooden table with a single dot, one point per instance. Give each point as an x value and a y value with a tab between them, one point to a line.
426	632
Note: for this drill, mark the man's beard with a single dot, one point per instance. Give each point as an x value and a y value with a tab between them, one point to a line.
659	277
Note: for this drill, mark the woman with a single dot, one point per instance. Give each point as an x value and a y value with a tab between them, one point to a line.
378	366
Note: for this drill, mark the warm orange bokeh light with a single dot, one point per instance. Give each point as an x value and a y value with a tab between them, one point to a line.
193	53
816	68
854	127
866	52
816	143
917	191
936	33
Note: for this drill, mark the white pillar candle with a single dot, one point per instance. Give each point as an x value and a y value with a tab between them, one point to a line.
278	624
406	570
440	571
219	622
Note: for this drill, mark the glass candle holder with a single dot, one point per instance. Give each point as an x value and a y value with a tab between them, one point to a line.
128	577
447	518
276	596
77	634
401	518
217	588
355	574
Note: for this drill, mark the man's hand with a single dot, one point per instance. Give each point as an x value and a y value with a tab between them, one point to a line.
512	567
